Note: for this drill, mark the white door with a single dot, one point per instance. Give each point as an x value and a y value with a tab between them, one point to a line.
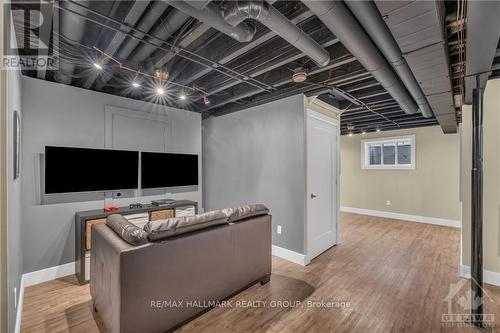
322	194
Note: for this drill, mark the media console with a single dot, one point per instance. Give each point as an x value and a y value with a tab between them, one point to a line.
84	221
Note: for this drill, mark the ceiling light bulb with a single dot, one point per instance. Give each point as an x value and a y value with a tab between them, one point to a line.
363	132
160	91
378	129
206	100
97	65
136	84
350	134
182	97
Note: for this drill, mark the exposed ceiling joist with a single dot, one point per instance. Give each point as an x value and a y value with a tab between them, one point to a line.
133	16
261	70
276	79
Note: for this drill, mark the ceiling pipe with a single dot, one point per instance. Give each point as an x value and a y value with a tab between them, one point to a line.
198	4
213	16
174	21
239	11
369	16
145	24
190	76
339	19
72	28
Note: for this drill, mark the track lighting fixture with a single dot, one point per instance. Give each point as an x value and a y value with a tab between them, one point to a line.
206	100
135	81
161	76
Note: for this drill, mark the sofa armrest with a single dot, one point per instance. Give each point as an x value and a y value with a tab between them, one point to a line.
105	272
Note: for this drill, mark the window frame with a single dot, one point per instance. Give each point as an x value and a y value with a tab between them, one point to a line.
365	153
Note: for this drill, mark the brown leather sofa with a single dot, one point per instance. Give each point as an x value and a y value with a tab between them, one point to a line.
158	286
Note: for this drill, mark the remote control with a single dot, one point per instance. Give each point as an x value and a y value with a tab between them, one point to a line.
135	205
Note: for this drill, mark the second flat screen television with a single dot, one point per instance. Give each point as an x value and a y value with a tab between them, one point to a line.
168	170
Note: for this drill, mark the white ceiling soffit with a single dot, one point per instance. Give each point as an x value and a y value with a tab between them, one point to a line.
418	27
483	33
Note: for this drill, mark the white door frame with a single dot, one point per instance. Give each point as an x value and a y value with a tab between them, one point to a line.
325	118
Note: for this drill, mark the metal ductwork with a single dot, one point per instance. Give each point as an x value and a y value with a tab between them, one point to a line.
368	15
339	19
72	28
239	11
483	32
419	30
213	16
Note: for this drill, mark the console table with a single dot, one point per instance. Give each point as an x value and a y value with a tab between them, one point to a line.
84	221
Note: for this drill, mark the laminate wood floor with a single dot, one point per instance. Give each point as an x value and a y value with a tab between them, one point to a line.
394	276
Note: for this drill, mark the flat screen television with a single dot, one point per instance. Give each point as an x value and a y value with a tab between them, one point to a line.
168	170
90	170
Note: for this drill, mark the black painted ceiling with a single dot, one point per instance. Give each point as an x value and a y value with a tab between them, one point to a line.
234	75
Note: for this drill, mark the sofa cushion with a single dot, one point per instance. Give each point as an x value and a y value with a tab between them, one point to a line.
129	232
162	229
244	212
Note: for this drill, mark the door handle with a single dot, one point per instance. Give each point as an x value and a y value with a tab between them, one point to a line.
313	195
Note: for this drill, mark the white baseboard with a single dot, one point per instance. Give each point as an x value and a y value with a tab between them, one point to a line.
36	277
19	309
488	276
405	217
48	274
290	255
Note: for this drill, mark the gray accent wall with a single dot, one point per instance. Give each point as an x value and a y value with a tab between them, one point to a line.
258	156
55	114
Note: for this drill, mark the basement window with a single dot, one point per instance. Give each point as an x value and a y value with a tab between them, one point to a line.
388	153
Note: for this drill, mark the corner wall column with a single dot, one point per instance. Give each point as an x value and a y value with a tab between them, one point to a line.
477	207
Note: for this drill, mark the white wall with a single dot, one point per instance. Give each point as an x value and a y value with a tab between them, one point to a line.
55	114
257	155
15	257
14	211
